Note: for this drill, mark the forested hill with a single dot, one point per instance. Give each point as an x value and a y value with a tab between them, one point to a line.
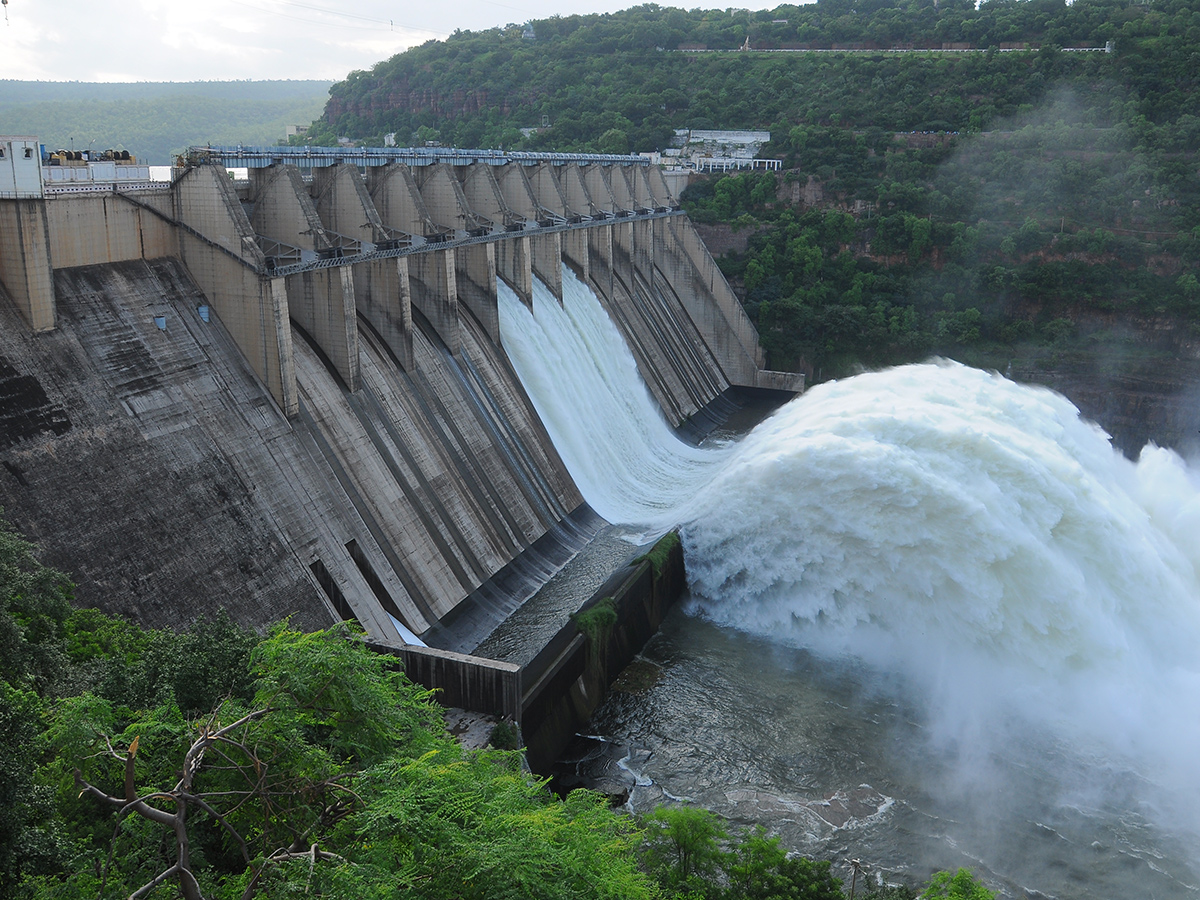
156	120
633	75
1021	204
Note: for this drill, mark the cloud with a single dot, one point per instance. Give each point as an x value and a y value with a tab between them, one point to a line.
222	40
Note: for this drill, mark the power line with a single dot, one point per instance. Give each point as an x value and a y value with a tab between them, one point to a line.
333	12
380	24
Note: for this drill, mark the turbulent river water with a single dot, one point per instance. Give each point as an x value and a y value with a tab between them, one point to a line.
935	619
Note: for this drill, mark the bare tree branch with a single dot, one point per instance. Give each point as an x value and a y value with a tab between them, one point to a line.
139	802
112	849
186	874
130	759
112	749
195	754
236	745
155	882
200	801
155	815
285	855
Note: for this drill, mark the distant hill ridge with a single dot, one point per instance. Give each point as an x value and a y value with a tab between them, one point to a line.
155	120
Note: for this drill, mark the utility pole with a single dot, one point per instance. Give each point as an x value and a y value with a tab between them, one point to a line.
855	865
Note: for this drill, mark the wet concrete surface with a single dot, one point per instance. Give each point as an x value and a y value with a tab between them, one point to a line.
520	637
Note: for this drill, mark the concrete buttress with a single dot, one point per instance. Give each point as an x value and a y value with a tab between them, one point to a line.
512	256
432	282
614	177
26	269
595	178
219	248
396	196
517	193
575	191
381	289
343	204
474	264
320	300
545	187
578	203
514	265
548	249
658	186
475	281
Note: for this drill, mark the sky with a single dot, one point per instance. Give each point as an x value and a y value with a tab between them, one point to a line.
227	40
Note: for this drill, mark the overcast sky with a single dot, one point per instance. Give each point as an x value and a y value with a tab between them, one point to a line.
223	40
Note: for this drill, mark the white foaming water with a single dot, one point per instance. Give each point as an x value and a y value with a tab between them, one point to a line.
608	429
978	537
970	535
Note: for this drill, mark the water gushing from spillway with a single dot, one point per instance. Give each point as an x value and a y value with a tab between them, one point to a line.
978	537
979	548
609	430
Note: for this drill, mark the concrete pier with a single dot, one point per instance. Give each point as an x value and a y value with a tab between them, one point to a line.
393	190
25	268
381	286
321	301
218	245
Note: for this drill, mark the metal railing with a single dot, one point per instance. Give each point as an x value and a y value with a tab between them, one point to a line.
309	157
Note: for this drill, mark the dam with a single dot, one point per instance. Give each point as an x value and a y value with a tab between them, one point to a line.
288	396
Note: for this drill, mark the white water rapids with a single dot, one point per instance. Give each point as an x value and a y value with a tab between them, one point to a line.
969	538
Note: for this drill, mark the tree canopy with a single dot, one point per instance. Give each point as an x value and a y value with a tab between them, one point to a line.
1015	201
213	763
633	72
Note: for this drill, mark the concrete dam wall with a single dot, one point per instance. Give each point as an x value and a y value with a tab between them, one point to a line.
288	397
169	483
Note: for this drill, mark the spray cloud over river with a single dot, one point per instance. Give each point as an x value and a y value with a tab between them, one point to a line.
980	552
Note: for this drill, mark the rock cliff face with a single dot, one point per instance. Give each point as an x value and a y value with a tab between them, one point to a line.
1136	403
374	108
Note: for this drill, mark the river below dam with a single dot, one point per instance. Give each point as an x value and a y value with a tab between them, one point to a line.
936	620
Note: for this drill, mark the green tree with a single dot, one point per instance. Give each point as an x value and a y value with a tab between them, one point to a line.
24	805
613	141
268	779
758	868
682	848
962	885
337	776
34	602
447	824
